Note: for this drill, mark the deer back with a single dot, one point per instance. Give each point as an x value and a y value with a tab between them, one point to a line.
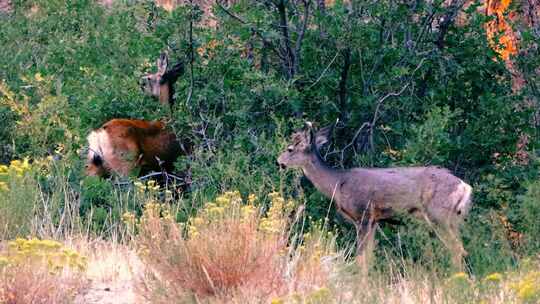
401	189
124	144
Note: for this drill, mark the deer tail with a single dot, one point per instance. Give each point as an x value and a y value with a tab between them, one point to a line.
465	199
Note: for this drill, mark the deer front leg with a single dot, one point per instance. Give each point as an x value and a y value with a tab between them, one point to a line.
365	235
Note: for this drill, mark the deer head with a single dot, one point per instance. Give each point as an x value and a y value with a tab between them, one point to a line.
160	85
305	145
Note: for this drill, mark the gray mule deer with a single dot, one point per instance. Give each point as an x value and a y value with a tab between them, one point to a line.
160	85
365	196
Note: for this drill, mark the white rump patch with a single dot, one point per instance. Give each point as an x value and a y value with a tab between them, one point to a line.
462	197
99	144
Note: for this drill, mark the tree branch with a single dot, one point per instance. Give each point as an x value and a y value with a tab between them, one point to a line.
299	39
254	29
191	54
377	109
289	62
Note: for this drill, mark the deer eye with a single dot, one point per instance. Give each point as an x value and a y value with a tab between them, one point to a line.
290	149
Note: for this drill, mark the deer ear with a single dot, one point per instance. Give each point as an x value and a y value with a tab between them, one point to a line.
162	63
322	137
172	75
308	131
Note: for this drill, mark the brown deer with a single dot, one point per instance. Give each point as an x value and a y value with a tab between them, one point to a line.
123	145
366	196
160	85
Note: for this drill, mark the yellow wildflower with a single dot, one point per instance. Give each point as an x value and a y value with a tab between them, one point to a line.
38	77
3	261
128	218
528	289
222	201
494	277
321	295
168	195
527	292
44	253
197	221
459	278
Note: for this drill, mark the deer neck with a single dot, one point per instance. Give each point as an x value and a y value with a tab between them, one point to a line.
324	178
165	94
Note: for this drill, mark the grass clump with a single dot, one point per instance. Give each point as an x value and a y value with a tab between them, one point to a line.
40	271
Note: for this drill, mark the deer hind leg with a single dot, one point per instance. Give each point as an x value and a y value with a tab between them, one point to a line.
365	239
448	232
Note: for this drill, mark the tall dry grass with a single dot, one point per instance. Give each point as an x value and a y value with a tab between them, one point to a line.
229	250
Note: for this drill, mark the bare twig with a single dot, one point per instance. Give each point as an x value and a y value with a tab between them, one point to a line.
377	110
380	102
323	72
393	94
353	141
168	176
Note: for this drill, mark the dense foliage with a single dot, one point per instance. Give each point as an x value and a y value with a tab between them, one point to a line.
427	91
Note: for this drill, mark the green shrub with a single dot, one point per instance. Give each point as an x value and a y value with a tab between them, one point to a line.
18	196
529	213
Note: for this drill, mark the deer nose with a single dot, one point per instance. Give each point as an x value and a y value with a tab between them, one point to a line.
281	165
